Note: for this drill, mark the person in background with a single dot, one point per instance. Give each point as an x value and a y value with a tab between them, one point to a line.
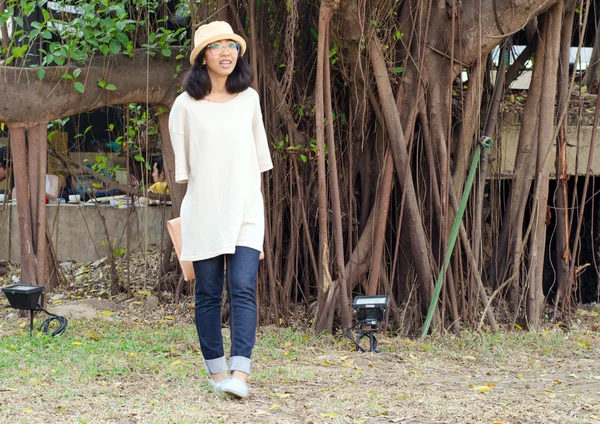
3	163
159	178
221	149
52	181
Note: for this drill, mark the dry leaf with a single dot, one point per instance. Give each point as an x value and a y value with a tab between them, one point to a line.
330	415
273	406
177	362
491	384
280	395
28	410
287	344
107	313
77	343
482	389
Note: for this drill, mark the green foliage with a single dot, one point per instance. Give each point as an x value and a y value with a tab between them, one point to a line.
72	32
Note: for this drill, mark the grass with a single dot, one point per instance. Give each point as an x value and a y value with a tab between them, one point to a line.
152	372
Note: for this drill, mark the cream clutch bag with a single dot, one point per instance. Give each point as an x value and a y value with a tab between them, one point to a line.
174	227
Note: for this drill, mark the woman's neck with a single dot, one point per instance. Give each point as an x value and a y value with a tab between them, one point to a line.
218	85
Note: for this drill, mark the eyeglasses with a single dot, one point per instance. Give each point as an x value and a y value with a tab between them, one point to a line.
216	49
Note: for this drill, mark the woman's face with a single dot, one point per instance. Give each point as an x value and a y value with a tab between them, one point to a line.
155	174
221	57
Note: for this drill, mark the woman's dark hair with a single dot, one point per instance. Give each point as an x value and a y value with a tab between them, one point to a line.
197	81
4	157
158	160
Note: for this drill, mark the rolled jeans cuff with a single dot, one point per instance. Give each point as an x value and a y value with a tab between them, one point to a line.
240	363
214	366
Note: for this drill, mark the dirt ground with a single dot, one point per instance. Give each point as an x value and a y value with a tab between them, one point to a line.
515	377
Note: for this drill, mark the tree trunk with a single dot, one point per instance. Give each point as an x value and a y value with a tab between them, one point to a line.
19	152
550	40
592	73
325	283
420	248
38	137
563	231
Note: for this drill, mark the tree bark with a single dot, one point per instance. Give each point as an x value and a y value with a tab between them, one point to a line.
325	282
592	73
563	253
550	39
38	137
420	249
19	152
138	80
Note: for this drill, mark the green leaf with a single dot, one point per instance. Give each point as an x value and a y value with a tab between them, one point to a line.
41	73
139	158
76	72
110	87
122	37
115	46
303	158
398	70
79	87
166	52
67	76
101	83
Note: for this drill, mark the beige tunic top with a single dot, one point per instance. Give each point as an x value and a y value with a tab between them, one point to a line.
220	151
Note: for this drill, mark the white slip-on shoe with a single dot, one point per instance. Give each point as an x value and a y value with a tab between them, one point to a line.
216	386
235	388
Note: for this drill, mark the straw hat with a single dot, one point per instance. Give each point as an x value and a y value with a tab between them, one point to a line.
215	31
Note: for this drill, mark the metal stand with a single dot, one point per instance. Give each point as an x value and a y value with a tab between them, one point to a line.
362	333
31	315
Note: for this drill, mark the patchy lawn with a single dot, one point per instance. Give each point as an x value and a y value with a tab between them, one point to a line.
136	366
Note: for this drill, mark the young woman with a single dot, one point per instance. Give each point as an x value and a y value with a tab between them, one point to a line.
221	149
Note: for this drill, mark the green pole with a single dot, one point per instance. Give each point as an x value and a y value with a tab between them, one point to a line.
486	142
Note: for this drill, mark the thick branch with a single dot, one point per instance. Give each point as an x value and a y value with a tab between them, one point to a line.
142	79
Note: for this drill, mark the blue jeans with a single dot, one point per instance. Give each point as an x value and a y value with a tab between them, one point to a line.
240	279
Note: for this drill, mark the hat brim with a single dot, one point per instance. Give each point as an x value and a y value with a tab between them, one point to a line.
214	38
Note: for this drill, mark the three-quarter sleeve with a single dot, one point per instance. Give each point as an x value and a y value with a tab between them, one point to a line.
180	141
263	155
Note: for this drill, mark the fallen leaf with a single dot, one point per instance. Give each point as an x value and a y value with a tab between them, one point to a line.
177	362
287	344
77	343
470	358
280	395
170	318
330	415
482	389
93	336
107	313
34	380
491	384
273	406
28	410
